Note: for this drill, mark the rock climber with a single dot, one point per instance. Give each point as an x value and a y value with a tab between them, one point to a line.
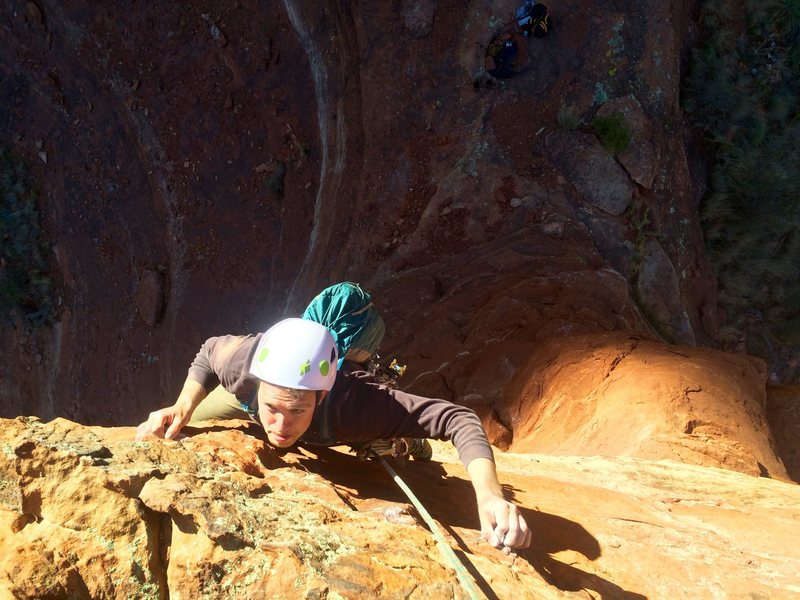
358	329
288	380
507	55
351	316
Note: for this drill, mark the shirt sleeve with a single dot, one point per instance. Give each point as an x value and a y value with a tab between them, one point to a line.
361	411
225	361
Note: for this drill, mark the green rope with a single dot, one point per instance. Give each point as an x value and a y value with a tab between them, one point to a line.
449	555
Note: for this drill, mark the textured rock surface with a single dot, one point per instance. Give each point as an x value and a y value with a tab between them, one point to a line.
210	167
659	294
623	396
87	513
595	173
783	411
638	159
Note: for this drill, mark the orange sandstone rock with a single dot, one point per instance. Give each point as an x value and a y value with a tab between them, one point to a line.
87	513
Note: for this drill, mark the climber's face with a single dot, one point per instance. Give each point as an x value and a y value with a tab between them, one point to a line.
285	413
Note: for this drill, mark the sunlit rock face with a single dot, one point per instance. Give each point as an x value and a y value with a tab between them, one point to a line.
85	512
618	395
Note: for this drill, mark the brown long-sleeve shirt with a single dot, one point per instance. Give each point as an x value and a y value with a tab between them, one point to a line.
356	410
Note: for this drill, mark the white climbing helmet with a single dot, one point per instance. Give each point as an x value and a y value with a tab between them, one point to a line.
296	353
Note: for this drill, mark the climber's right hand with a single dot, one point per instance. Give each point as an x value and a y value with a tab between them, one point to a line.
164	423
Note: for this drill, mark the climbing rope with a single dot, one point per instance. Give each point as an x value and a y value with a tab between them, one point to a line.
469	585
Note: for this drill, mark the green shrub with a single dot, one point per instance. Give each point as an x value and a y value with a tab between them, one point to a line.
568	118
780	106
25	286
275	180
741	92
640	223
612	132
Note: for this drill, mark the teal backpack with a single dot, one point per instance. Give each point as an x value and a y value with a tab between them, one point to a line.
348	312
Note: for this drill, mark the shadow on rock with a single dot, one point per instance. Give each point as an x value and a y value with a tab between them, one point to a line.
553	534
216	426
366	479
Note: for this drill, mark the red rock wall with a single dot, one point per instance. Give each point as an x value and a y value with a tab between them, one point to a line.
209	168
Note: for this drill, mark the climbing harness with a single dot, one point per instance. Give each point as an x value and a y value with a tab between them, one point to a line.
384	375
469	585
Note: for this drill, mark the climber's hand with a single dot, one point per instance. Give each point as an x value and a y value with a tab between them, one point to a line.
164	423
502	525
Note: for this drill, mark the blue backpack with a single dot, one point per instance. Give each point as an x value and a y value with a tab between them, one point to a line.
534	19
524	11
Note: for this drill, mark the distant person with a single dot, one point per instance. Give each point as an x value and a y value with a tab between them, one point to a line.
501	56
286	380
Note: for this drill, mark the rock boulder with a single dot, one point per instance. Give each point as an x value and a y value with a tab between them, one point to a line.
87	513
